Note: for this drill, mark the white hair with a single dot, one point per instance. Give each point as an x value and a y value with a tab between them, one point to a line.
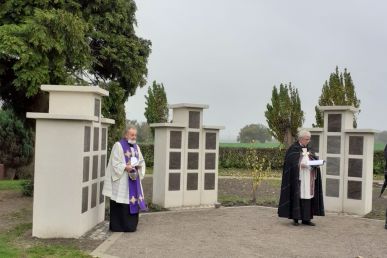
129	127
303	133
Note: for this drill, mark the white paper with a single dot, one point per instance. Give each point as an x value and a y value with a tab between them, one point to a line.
319	162
134	162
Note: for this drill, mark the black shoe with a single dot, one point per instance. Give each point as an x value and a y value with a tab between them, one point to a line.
308	223
295	222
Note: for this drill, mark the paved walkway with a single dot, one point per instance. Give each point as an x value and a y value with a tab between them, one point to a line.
246	232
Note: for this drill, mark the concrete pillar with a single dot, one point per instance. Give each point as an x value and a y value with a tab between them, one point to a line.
348	173
70	161
186	159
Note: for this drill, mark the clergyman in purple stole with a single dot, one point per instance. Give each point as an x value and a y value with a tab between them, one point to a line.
136	194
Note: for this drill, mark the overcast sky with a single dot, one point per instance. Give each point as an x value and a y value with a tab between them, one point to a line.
230	54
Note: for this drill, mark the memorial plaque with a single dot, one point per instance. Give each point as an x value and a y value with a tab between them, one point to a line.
93	195
209	181
194	119
86	139
85	198
104	137
103	165
334	122
101	196
315	143
356	145
97	107
174	182
86	168
96	139
332	187
210	141
193	160
95	167
333	166
210	161
175	140
355	167
193	140
333	144
354	190
174	160
192	181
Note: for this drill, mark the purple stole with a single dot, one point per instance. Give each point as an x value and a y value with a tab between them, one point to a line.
136	194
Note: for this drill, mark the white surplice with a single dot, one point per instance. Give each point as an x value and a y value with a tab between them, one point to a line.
116	185
306	177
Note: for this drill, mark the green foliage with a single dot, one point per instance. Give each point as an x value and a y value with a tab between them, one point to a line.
11	185
156	110
114	108
284	115
254	132
147	151
259	168
379	162
68	42
272	159
338	91
27	187
256	145
16	148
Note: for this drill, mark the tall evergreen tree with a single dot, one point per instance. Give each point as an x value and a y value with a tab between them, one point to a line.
156	110
338	91
284	115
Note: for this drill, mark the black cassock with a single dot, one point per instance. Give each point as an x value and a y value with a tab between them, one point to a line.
290	205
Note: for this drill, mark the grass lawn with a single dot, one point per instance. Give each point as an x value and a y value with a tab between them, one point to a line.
16	225
257	145
11	184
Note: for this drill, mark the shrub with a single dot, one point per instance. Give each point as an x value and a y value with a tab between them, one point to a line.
230	157
16	144
28	187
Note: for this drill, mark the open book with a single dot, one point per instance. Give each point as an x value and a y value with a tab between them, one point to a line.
318	162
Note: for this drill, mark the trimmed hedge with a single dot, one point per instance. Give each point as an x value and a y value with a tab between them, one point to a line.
230	157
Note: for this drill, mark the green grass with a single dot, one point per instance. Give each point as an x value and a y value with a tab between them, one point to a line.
240	172
55	251
256	145
11	184
9	249
232	200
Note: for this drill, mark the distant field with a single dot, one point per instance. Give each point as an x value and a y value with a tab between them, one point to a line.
378	146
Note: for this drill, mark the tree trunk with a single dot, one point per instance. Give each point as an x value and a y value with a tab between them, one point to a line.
2	172
254	191
288	139
10	173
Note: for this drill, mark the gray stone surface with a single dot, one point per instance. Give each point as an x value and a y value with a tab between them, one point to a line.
246	232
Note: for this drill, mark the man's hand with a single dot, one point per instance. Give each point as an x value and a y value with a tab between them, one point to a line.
128	168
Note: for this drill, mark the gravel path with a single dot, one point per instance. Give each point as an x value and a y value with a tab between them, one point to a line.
246	232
